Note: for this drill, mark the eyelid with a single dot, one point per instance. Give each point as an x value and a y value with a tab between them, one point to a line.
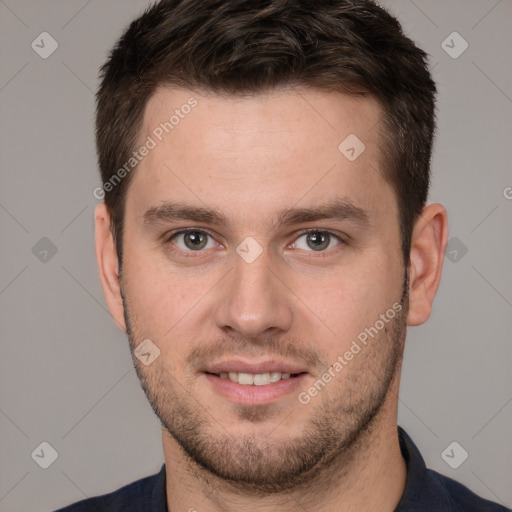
169	235
339	237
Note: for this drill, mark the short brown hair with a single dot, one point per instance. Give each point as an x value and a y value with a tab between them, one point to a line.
250	46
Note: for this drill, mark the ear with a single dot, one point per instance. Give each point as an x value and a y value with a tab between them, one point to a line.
108	265
428	246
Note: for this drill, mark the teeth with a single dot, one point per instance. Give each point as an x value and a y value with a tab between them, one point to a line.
260	379
245	378
257	379
275	376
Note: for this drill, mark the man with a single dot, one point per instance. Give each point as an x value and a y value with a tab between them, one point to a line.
264	242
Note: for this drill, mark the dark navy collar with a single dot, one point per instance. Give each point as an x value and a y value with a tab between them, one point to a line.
425	490
429	491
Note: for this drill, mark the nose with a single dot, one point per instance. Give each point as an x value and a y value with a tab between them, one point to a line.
253	302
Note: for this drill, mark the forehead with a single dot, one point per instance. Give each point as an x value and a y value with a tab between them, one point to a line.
256	153
240	122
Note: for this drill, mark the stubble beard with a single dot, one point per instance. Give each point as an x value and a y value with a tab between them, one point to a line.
337	429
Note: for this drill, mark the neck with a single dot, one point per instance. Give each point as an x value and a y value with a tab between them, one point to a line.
371	477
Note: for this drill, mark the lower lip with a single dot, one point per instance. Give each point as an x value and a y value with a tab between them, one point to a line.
255	395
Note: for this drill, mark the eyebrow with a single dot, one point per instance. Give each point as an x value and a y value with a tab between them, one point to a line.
337	209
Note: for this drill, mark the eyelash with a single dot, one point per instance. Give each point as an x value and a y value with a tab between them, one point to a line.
190	253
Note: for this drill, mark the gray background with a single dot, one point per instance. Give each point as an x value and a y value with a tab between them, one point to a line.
66	373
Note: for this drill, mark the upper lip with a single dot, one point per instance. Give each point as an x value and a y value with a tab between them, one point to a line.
240	366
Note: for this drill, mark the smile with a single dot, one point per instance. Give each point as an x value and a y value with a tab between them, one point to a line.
256	379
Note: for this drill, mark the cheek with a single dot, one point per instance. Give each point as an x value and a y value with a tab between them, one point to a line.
165	301
351	299
153	292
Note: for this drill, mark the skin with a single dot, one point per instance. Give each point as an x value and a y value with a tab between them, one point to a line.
250	158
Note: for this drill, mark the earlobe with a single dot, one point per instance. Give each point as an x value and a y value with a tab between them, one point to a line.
108	265
428	245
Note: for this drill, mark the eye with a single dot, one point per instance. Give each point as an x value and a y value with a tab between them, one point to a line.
192	240
317	240
195	240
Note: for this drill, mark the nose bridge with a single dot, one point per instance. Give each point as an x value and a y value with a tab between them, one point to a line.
253	300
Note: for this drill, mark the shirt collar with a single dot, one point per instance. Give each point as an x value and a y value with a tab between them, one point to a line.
159	495
423	489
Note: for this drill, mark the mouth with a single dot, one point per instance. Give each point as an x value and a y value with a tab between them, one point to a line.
255	383
256	379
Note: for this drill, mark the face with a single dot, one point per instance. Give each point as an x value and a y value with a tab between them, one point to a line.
256	249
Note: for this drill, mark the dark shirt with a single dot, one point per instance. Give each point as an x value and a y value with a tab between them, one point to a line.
425	491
